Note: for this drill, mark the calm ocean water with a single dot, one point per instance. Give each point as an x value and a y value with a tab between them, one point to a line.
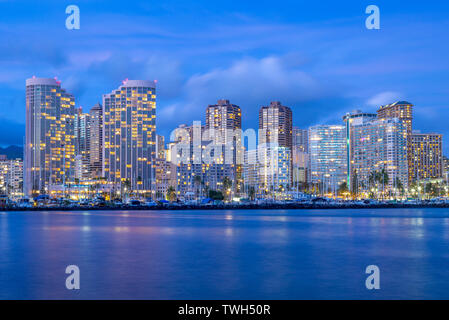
254	254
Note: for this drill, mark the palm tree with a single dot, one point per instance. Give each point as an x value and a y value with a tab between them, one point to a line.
399	186
384	179
342	188
197	180
227	184
126	186
251	193
171	194
372	178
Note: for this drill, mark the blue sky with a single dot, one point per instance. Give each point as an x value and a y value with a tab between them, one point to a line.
318	58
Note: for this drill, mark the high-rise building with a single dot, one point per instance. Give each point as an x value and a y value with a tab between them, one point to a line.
327	156
165	177
96	141
223	127
275	124
196	156
379	145
427	151
300	156
50	137
160	146
274	167
251	170
276	127
11	178
300	138
129	135
446	170
402	110
221	121
300	166
446	164
267	169
82	134
82	144
356	117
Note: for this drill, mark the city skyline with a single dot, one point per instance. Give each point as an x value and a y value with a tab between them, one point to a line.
411	130
353	156
226	156
301	59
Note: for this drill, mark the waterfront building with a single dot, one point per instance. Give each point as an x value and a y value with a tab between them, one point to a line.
300	166
356	117
300	139
160	146
427	161
221	121
223	128
11	178
267	170
165	177
446	171
300	157
446	164
251	171
377	146
327	157
274	168
82	144
50	137
275	125
196	156
129	135
402	110
82	169
96	141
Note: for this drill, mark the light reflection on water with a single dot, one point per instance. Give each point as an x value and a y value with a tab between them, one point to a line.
254	254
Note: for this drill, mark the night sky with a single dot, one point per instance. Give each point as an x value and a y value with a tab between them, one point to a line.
316	57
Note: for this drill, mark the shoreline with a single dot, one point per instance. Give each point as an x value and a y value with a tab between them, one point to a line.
239	207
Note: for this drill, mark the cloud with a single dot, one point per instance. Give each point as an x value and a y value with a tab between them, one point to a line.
384	98
251	83
266	78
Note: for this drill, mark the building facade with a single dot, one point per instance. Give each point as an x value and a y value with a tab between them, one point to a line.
327	156
300	139
275	125
267	170
356	117
378	146
427	160
49	137
11	178
82	145
160	146
300	157
200	162
165	177
129	135
274	168
403	111
300	166
223	130
96	141
221	121
445	164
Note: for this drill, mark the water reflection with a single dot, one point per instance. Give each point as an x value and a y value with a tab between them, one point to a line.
254	254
